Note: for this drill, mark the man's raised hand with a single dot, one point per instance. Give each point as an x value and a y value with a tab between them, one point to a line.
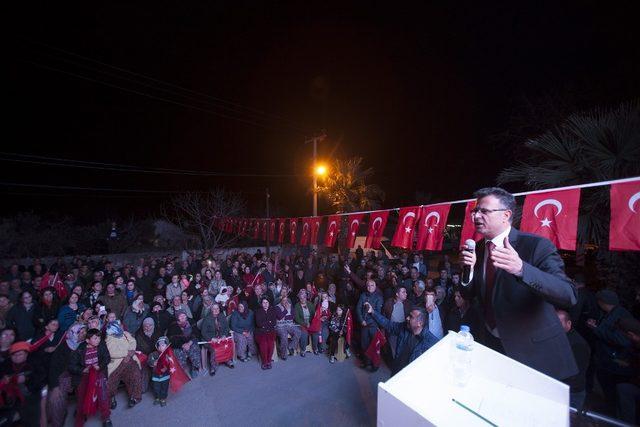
507	258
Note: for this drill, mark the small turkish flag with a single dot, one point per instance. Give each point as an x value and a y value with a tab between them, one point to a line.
168	364
407	219
553	215
373	351
306	232
377	222
314	223
282	228
333	228
624	228
468	227
223	349
353	221
433	220
316	323
293	230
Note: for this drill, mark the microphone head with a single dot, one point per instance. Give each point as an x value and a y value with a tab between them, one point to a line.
471	244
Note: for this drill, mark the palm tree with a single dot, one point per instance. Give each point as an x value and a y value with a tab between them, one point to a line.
598	145
346	188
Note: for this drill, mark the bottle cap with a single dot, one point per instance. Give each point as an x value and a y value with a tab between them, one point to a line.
464	328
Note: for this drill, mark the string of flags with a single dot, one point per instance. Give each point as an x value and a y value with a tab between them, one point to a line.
551	213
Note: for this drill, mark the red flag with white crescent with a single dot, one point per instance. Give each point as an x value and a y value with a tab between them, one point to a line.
624	228
373	351
282	230
553	215
168	364
353	223
433	220
293	230
256	229
272	229
306	231
264	223
377	222
223	349
407	219
314	223
333	228
468	227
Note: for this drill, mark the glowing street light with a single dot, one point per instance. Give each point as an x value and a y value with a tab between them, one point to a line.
321	170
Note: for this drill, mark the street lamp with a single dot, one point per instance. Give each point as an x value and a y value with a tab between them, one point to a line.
319	170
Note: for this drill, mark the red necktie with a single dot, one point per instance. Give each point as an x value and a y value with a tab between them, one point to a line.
489	275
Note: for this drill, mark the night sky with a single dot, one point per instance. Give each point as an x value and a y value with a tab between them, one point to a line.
423	91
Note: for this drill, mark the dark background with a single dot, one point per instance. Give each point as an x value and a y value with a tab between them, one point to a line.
436	96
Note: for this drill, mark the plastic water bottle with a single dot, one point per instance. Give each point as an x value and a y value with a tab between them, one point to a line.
462	356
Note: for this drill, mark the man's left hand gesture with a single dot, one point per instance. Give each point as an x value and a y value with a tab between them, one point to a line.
507	258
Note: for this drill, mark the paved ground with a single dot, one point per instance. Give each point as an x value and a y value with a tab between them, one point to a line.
299	391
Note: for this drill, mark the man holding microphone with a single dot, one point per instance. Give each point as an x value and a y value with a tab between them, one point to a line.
519	279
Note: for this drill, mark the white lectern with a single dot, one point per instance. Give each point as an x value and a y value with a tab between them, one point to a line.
502	391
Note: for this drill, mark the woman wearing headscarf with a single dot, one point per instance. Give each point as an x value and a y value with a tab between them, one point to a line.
285	328
60	380
177	305
266	320
147	336
88	366
135	314
184	341
160	317
243	324
124	365
215	326
304	312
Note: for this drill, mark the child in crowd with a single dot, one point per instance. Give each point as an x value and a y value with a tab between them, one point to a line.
337	329
161	374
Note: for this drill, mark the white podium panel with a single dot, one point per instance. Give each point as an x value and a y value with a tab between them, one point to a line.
503	391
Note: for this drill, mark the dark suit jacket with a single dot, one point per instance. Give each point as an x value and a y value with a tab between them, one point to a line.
524	306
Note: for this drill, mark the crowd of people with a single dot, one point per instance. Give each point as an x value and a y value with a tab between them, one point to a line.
85	327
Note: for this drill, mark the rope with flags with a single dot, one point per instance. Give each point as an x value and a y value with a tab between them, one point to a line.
551	213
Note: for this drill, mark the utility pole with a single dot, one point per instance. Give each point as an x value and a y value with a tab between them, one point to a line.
315	141
267	196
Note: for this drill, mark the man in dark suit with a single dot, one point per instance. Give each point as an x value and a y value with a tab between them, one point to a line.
519	278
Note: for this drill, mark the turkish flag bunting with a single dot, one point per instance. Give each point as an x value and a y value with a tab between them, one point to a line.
293	230
377	222
373	352
306	232
624	228
314	223
282	229
407	219
333	229
433	220
168	364
223	349
256	229
272	229
468	227
353	222
553	215
264	225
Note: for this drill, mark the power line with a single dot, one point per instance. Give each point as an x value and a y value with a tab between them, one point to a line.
163	82
69	187
155	97
82	164
259	116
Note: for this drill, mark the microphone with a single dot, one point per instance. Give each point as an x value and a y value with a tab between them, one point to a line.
466	270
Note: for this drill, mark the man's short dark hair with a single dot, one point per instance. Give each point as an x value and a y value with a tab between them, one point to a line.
422	317
506	199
